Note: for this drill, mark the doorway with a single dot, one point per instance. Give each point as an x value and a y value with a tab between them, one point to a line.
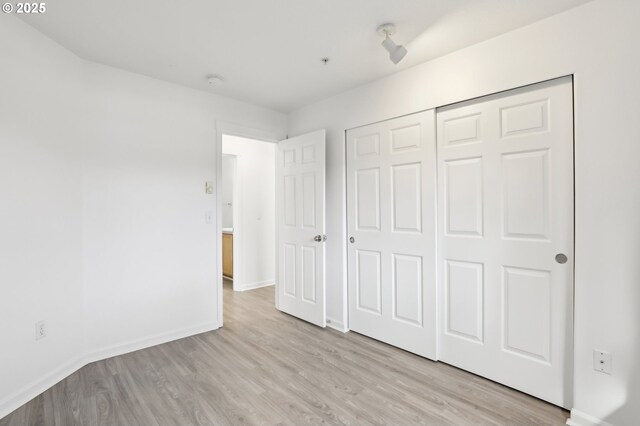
248	212
229	199
295	168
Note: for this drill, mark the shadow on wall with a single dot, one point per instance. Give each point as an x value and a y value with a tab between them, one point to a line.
629	412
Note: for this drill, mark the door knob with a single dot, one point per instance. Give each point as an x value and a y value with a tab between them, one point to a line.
352	240
561	258
320	238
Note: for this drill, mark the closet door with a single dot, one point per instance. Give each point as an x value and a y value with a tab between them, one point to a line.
505	188
391	222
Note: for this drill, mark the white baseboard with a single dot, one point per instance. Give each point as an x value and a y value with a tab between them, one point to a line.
578	418
27	393
147	342
253	286
337	325
35	388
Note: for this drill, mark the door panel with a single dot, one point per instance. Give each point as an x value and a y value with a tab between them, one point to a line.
406	195
309	201
309	274
526	194
527	312
368	281
391	216
407	288
463	203
289	267
463	294
367	205
300	200
505	185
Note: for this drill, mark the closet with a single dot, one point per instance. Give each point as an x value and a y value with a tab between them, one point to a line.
391	208
461	236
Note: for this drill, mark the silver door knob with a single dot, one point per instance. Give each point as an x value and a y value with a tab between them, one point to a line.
320	238
352	240
561	258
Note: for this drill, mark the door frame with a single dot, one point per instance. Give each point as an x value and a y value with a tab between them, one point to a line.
234	203
345	288
230	129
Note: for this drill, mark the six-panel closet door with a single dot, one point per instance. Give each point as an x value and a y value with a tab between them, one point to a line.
496	298
505	252
391	172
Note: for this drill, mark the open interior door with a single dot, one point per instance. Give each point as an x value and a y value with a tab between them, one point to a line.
300	213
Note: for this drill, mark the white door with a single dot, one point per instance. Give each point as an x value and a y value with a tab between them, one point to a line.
505	197
391	172
300	211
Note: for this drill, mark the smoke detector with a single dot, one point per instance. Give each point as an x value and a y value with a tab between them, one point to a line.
214	80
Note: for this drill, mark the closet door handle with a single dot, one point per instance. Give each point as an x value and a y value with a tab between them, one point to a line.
561	258
320	238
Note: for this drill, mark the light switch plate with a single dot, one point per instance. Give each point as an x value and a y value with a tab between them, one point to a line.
602	361
208	186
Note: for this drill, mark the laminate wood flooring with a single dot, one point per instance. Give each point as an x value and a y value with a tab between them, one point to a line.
267	368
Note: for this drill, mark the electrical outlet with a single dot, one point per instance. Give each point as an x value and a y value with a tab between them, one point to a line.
41	330
602	361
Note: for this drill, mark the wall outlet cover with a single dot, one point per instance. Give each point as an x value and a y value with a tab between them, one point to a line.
41	330
602	361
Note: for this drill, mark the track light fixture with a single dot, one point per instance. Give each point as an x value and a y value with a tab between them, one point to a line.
396	52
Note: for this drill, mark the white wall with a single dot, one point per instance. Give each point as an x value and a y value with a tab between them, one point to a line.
228	184
149	263
597	42
102	214
41	134
254	230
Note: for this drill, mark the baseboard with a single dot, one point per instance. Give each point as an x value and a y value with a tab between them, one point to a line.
147	342
337	325
253	286
27	393
35	388
578	418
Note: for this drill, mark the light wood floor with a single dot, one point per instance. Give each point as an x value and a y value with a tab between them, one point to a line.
265	367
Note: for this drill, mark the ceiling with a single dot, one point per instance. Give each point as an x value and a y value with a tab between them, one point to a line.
269	51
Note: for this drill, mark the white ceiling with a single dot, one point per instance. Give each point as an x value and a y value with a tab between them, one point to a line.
269	51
